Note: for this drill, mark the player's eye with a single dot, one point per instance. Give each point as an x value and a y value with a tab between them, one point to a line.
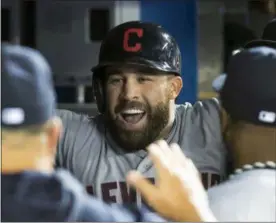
143	79
114	80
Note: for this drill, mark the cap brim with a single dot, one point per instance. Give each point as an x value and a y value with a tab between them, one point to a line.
260	42
139	62
122	64
218	82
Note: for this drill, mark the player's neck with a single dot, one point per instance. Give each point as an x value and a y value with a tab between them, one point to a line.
166	131
252	144
251	155
17	164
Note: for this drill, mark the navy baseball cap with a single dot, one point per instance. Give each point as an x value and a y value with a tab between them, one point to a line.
268	39
218	82
249	91
28	96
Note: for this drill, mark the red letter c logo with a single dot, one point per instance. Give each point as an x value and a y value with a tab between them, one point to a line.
137	46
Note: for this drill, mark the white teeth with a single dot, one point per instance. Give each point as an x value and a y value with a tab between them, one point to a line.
132	111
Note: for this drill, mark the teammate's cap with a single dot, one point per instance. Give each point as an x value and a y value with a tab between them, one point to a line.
268	37
249	91
217	84
28	96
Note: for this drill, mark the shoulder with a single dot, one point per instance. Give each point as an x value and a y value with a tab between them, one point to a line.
245	198
83	207
68	181
87	208
79	132
200	107
204	116
244	184
96	210
73	121
69	116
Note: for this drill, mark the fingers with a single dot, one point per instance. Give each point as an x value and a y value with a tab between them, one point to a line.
143	186
168	159
163	152
184	161
194	169
158	157
165	156
173	153
163	146
176	150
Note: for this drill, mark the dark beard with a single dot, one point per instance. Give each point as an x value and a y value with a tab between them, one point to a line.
157	120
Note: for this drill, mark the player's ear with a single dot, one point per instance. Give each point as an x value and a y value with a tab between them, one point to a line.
53	132
175	86
227	126
225	120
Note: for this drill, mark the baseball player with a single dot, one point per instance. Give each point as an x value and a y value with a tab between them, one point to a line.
249	195
135	84
30	190
249	96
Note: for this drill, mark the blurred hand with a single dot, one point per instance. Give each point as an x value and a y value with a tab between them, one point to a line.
178	194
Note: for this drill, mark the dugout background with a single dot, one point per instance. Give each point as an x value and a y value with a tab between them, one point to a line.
69	34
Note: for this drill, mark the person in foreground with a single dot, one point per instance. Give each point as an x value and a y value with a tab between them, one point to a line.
248	97
30	189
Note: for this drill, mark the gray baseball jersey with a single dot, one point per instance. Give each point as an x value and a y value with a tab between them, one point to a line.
89	153
247	197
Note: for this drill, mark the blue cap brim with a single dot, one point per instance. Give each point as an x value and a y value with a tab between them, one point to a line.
219	82
260	42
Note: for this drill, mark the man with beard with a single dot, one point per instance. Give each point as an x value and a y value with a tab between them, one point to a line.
135	84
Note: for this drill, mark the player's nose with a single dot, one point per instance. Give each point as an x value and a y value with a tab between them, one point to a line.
131	90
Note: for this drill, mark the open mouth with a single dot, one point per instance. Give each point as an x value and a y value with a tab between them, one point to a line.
132	116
